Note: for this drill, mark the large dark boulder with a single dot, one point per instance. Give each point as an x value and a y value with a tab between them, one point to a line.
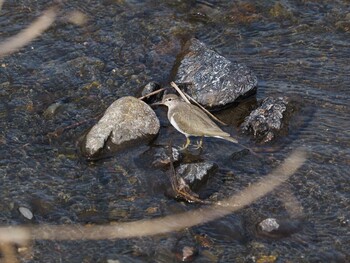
215	80
126	120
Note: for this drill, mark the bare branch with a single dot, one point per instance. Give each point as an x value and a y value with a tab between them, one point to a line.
205	110
151	93
185	96
173	84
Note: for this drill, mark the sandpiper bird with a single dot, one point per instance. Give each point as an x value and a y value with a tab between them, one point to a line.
190	120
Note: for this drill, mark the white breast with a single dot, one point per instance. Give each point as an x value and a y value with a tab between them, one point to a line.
177	127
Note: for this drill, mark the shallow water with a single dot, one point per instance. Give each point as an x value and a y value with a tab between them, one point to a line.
298	49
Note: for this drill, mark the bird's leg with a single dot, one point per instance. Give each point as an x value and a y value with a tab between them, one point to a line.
186	144
200	143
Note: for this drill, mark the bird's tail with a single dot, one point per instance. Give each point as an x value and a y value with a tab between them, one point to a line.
230	139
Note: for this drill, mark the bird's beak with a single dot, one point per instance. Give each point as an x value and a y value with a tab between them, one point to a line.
157	103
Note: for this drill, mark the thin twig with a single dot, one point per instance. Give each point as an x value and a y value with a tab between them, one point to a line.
185	96
58	132
173	84
205	110
173	180
179	186
152	93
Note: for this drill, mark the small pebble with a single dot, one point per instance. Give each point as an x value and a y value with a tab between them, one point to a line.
26	212
52	110
187	254
269	224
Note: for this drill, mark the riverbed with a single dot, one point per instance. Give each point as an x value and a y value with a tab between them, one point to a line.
72	72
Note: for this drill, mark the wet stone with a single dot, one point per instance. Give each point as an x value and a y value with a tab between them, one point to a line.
126	120
197	174
343	26
162	157
151	87
186	249
266	121
269	224
215	80
187	254
54	108
26	212
278	228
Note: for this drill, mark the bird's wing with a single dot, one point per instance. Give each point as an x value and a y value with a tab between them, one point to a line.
197	122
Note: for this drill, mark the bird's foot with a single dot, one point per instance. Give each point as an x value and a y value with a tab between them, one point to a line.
199	144
186	144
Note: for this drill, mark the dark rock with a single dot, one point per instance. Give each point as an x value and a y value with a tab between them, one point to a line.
162	157
226	229
216	81
277	228
126	120
266	121
196	174
150	87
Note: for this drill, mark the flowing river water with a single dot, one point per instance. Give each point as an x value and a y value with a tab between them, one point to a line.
72	73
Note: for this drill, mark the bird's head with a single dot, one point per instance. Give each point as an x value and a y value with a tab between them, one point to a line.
168	100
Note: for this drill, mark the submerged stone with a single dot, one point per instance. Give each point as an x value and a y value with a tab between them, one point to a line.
126	120
149	88
269	224
266	121
278	228
197	174
215	80
162	157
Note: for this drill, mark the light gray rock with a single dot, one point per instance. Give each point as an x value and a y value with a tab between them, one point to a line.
269	224
26	212
216	81
277	228
125	120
